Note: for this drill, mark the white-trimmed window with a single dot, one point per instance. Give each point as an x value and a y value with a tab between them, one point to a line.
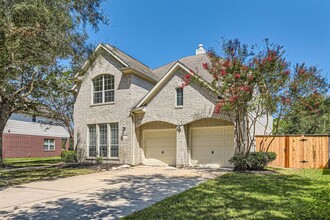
104	89
114	137
108	140
49	144
179	96
103	140
92	141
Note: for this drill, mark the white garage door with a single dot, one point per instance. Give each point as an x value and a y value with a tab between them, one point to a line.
160	147
212	147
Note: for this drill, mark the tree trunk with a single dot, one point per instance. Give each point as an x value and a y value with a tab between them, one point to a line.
5	114
1	160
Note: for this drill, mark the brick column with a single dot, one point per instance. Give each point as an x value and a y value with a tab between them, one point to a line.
182	157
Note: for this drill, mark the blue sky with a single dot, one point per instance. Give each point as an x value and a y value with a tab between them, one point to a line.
157	32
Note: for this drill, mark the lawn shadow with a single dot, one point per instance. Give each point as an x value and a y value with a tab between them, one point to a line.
125	195
235	196
326	171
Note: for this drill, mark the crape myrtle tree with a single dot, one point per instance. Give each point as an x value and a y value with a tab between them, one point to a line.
255	85
35	35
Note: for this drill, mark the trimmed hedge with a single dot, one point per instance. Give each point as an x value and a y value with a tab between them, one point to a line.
68	156
252	161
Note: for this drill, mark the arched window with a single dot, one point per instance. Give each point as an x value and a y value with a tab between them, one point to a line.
104	89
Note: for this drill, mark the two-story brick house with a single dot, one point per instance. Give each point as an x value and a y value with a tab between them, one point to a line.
128	113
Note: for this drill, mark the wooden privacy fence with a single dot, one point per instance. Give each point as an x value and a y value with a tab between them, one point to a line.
298	151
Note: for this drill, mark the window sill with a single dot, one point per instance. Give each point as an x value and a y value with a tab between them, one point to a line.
178	107
49	150
104	158
100	104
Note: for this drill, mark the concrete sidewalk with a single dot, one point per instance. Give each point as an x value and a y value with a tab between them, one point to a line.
105	195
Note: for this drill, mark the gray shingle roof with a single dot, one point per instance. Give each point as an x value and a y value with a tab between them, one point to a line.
143	69
194	63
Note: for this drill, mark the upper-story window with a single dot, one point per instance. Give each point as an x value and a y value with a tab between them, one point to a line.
104	89
179	97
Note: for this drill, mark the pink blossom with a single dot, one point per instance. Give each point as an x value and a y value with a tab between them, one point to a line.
205	66
187	76
223	72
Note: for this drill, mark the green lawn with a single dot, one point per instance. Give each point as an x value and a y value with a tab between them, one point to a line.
17	177
30	162
289	194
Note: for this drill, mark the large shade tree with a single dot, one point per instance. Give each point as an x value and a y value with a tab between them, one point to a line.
35	36
252	86
308	116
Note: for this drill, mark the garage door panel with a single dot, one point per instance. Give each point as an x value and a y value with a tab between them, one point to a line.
201	142
160	147
229	152
218	133
218	152
202	133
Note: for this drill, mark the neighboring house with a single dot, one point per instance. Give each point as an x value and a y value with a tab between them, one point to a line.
27	135
128	113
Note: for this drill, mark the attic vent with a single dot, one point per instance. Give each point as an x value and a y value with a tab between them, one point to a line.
200	49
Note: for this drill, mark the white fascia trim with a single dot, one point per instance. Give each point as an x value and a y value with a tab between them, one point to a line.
160	83
114	55
107	50
177	65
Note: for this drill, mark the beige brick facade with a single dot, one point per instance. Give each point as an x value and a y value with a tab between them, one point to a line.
160	112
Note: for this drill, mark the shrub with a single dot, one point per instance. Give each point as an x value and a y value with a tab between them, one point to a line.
99	160
69	156
252	161
239	161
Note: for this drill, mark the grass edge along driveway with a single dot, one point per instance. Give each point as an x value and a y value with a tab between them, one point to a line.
18	177
31	161
286	194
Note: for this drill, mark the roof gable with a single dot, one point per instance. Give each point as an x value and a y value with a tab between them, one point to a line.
128	62
194	63
177	65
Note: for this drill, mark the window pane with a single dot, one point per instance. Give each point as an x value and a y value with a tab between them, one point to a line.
51	141
114	151
103	151
97	97
45	147
51	147
109	96
179	96
103	138
92	151
114	139
109	82
98	84
92	141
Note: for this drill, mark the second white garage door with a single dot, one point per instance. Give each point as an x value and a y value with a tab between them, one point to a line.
212	147
160	147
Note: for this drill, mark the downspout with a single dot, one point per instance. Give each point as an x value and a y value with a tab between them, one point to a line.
132	135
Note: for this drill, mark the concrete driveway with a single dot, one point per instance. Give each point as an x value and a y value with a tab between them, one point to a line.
105	195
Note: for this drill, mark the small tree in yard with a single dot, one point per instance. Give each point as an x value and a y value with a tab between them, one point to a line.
35	35
57	99
251	86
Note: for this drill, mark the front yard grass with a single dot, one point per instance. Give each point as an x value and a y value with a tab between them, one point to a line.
286	194
31	162
10	178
